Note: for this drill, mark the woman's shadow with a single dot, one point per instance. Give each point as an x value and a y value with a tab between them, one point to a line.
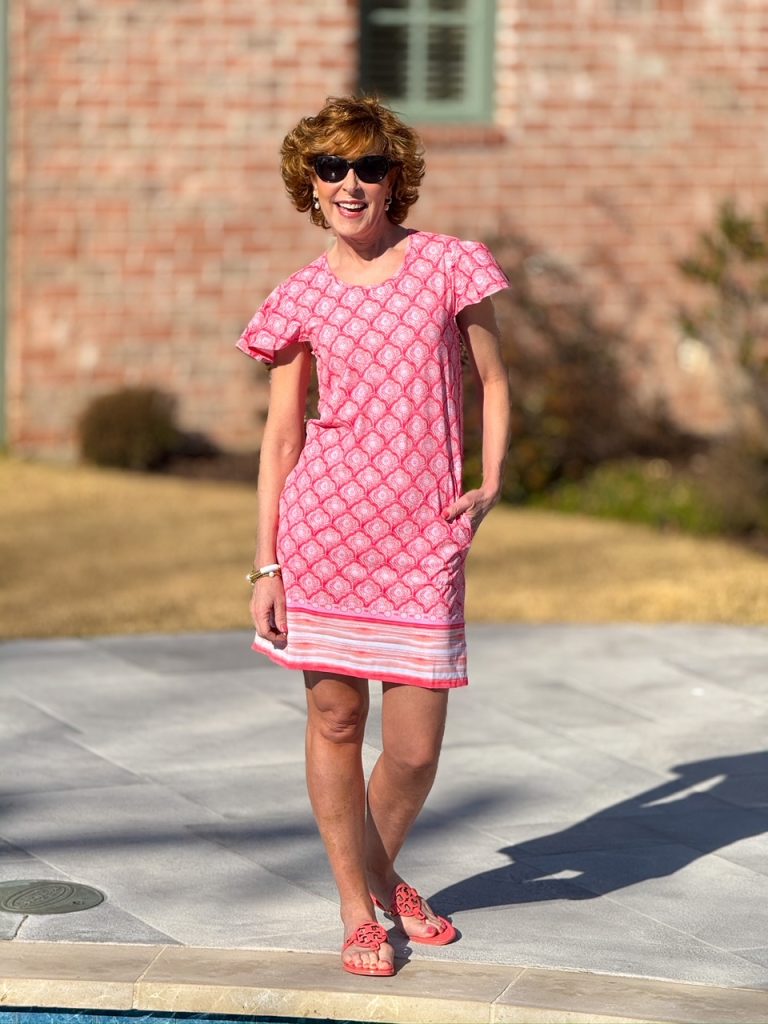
710	804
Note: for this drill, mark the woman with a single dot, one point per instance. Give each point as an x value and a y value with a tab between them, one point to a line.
363	529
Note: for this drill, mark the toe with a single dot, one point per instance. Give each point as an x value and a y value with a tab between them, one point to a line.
431	925
370	960
352	958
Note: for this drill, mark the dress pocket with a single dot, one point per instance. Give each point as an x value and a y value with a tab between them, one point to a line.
463	529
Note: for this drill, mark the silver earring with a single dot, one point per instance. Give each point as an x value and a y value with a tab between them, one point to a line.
387	202
315	202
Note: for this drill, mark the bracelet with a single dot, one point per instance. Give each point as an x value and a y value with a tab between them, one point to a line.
265	570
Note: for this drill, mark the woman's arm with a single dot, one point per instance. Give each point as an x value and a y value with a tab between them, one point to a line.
280	449
477	324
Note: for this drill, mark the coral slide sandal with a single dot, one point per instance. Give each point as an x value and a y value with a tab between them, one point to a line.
369	935
406	902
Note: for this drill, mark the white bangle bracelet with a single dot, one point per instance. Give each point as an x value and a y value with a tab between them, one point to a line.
265	570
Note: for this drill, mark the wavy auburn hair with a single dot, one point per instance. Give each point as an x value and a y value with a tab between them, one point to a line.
350	127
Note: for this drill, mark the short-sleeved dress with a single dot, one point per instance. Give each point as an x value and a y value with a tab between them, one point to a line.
373	575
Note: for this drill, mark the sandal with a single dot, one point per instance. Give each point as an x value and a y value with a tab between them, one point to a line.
369	935
406	902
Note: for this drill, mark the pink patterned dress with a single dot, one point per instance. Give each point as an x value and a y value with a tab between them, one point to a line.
373	575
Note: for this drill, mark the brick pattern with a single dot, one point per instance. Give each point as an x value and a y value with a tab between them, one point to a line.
147	214
147	217
627	122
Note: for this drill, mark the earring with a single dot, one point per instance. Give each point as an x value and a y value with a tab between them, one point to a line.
315	201
387	202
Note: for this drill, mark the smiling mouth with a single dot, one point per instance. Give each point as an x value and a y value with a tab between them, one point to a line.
352	207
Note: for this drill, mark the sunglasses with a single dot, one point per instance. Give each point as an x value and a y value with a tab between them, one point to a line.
370	169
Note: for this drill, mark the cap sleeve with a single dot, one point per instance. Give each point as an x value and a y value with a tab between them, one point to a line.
476	274
275	325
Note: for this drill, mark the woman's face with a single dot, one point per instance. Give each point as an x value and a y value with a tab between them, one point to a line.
354	208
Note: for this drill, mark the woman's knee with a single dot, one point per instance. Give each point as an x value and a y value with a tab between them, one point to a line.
413	723
339	724
413	759
337	712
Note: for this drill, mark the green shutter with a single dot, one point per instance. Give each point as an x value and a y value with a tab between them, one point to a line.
431	59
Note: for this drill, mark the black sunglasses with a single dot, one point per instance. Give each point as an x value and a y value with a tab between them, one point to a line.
370	169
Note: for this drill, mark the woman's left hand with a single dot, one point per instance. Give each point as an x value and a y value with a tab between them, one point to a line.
476	503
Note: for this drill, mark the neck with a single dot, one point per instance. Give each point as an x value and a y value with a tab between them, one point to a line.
365	250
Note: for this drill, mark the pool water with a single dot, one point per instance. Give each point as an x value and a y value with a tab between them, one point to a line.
141	1017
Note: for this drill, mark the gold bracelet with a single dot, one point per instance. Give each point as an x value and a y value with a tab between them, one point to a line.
265	570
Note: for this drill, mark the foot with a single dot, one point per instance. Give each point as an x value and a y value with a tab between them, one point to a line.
366	951
411	913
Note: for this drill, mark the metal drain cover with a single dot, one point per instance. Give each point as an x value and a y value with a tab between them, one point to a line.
47	896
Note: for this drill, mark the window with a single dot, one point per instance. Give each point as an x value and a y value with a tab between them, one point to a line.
431	59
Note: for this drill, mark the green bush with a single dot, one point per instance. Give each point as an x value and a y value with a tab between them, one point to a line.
730	264
652	492
133	428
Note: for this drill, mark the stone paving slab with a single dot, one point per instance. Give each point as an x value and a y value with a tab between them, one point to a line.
194	980
602	806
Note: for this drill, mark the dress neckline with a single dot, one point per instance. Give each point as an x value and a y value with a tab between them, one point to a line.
381	284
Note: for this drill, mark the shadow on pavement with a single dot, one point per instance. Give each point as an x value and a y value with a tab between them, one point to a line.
711	804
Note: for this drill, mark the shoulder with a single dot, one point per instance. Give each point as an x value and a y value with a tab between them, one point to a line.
299	279
295	294
467	268
450	248
433	241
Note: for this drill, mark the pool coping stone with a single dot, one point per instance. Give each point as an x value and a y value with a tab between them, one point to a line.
175	979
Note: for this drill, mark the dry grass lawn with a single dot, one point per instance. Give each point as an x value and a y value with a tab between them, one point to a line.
87	551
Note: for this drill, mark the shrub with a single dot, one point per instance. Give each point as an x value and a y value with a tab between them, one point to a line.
133	428
724	491
730	263
652	492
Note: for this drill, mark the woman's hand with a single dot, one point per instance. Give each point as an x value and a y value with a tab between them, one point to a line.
476	503
268	610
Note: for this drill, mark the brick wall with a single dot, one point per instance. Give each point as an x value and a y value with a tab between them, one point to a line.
147	216
625	123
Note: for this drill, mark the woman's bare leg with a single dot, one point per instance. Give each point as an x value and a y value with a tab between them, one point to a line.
337	708
412	726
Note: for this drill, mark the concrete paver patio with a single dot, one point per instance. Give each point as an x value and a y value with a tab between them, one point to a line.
597	831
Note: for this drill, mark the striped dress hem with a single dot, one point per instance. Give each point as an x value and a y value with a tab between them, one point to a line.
431	655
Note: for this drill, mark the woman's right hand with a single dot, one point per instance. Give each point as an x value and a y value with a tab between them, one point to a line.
268	610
